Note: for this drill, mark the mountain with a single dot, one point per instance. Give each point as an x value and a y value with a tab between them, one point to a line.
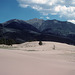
18	30
35	22
59	28
0	25
54	29
0	28
38	29
19	24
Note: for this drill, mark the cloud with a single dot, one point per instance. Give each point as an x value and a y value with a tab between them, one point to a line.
24	6
47	17
73	21
62	8
68	12
41	17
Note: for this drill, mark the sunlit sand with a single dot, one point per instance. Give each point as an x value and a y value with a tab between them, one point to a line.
32	59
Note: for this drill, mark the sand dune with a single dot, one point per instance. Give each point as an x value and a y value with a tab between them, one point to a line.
31	59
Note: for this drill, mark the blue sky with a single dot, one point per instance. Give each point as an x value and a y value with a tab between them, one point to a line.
42	9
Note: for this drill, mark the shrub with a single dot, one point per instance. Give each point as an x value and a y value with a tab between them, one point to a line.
40	42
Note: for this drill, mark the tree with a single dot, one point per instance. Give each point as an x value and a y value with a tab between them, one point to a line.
40	42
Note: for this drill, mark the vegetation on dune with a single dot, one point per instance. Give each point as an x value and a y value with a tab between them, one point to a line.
40	43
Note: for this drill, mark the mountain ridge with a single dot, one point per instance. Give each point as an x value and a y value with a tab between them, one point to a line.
38	29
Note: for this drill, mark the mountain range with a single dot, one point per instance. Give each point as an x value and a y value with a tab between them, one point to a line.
38	29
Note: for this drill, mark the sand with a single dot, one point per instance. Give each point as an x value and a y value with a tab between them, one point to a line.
31	59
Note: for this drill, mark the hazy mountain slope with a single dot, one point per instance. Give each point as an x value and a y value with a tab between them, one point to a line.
57	27
35	22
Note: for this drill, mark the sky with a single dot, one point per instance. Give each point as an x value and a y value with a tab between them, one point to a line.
63	10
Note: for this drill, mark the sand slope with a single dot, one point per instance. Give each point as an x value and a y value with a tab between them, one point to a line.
31	59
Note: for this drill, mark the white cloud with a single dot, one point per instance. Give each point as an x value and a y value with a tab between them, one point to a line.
39	1
68	12
62	8
41	17
73	21
36	7
47	17
24	6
